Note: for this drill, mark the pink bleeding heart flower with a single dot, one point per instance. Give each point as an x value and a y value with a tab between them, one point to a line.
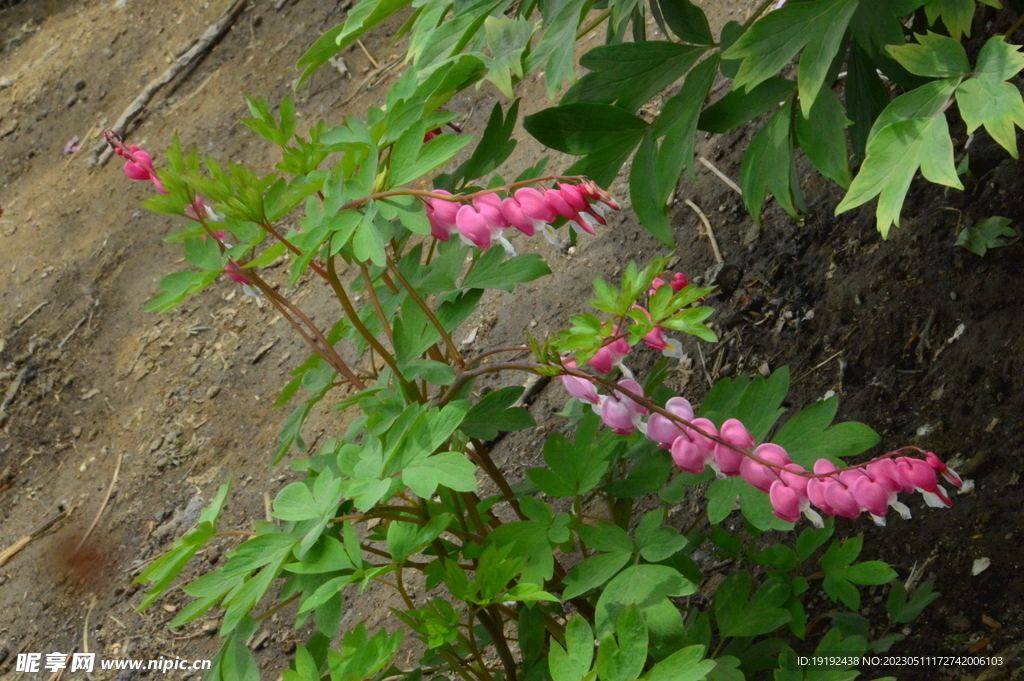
197	210
872	497
760	475
591	190
480	225
667	346
139	166
736	434
785	502
441	215
579	387
557	200
705	444
943	470
513	212
617	416
840	499
921	477
688	456
610	355
634	407
235	273
663	430
589	213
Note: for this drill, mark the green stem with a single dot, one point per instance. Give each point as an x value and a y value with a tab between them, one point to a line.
372	293
757	13
598	20
452	349
321	346
353	315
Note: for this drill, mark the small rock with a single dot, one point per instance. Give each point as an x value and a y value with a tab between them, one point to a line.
72	100
90	162
979	566
107	52
79	85
172	436
4	651
76	432
5	83
212	392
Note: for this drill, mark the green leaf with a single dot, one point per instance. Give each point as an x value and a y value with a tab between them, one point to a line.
993	232
495	146
658	542
574	664
678	123
772	42
647	586
956	15
987	99
739	107
585	128
624	661
651	209
687	21
573	468
768	164
821	137
494	414
494	272
593	572
178	286
910	133
433	372
902	611
687	664
165	568
841	575
866	97
449	469
762	614
412	158
630	74
808	435
364	16
507	40
932	56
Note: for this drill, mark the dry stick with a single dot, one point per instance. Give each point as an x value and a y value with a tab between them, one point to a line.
85	626
367	53
72	333
707	228
37	308
103	506
17	546
722	176
208	39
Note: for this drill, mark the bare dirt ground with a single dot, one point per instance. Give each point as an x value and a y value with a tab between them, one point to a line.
183	401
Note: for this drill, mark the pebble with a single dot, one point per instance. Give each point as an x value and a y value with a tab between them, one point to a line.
212	392
107	52
4	651
72	100
79	85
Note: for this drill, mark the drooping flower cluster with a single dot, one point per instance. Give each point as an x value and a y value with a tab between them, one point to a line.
482	221
793	490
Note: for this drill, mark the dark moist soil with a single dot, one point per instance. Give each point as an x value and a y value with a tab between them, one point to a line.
184	400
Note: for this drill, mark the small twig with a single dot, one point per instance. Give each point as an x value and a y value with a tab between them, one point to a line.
42	527
103	506
85	626
72	332
704	364
267	507
206	41
707	228
367	53
816	367
722	176
37	308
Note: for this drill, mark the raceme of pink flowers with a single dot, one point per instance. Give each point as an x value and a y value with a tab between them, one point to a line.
483	220
871	488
